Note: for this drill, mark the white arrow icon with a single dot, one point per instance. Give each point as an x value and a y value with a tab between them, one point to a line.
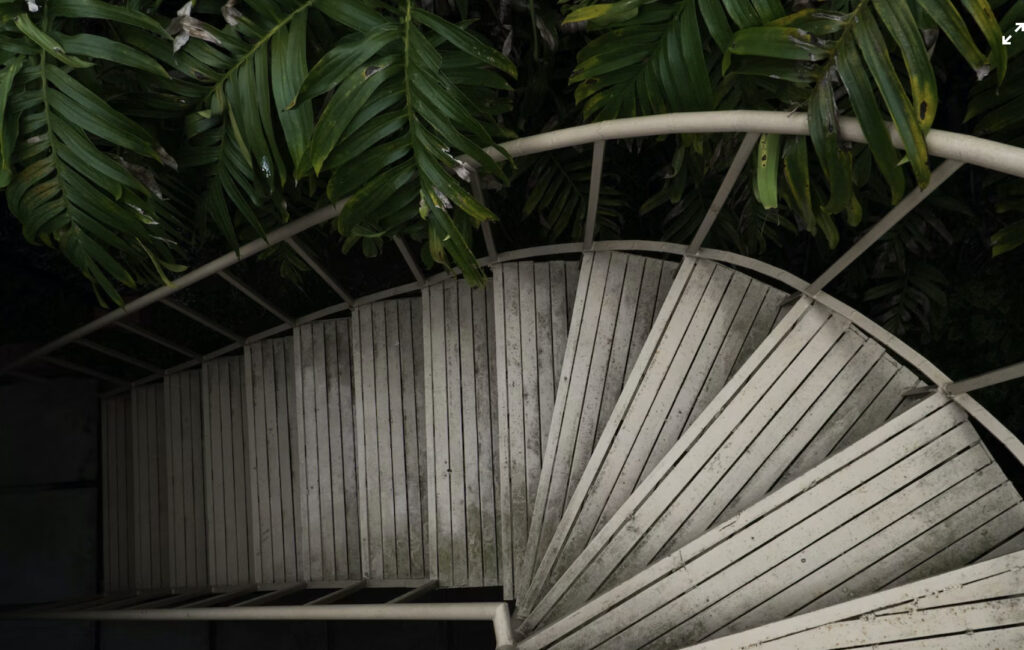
1006	39
1020	27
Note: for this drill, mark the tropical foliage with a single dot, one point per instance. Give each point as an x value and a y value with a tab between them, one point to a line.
134	131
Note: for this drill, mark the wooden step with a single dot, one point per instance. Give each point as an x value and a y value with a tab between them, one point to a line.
462	434
980	606
711	321
615	303
186	494
116	492
227	476
325	449
801	394
150	561
271	467
829	529
532	308
391	445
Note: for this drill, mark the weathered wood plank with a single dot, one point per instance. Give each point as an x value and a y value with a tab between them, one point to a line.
708	314
979	606
793	543
531	303
458	335
326	454
225	461
187	523
117	493
149	470
389	437
616	298
272	440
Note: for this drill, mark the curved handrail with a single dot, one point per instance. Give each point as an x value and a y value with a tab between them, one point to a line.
949	145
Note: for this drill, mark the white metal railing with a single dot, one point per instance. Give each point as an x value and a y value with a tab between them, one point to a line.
957	149
124	610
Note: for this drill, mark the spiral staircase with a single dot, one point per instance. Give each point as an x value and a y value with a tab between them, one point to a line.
643	444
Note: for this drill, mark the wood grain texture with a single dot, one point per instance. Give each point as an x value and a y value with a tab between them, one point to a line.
151	561
980	606
390	439
616	300
531	303
226	464
183	412
325	448
810	536
273	463
117	492
463	433
711	317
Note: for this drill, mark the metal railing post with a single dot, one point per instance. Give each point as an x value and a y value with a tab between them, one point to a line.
594	194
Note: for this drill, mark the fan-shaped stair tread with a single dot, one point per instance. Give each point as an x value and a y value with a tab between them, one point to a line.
270	425
462	436
151	562
117	492
532	306
325	451
712	319
227	476
980	606
809	537
186	498
391	447
814	383
616	301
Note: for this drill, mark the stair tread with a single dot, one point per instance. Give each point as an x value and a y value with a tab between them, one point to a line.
186	487
711	318
391	445
616	300
798	542
968	601
532	305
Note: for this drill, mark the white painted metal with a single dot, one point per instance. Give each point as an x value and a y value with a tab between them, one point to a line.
116	492
913	198
593	194
497	613
319	269
724	190
462	433
391	444
276	532
227	479
1007	373
151	561
85	370
202	320
326	451
254	296
206	270
532	301
154	337
485	227
801	541
415	593
183	412
410	261
115	354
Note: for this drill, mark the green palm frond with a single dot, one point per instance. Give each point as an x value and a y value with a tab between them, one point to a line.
72	165
238	82
407	92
